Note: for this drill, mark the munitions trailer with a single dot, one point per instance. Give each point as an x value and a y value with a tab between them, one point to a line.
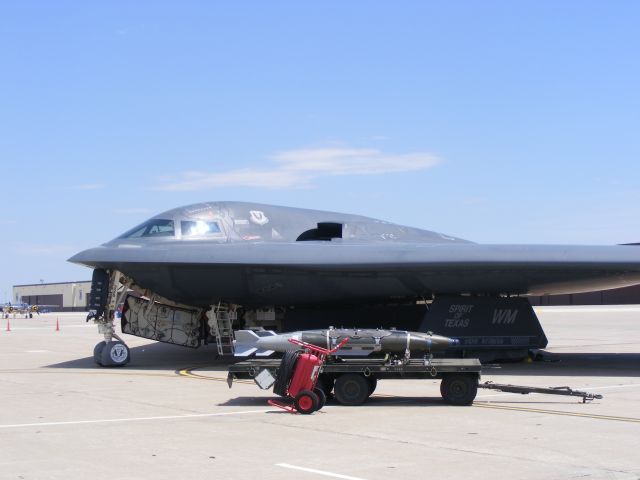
352	381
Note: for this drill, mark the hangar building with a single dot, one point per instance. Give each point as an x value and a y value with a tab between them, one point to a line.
68	296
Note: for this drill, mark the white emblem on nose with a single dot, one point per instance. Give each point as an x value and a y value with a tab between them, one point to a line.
258	217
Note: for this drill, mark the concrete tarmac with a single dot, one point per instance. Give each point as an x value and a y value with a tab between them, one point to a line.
170	415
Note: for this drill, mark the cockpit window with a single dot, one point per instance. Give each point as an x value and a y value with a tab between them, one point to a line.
156	227
192	228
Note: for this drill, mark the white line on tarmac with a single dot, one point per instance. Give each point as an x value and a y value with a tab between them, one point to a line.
319	472
134	419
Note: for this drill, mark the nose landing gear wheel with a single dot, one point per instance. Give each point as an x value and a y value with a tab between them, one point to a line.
97	352
114	354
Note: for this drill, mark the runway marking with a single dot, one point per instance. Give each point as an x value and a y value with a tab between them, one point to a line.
135	419
319	472
559	412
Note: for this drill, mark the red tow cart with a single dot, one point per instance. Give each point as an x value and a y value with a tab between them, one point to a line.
297	378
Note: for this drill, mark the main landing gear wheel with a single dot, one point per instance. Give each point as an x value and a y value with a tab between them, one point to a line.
306	402
112	354
459	388
351	389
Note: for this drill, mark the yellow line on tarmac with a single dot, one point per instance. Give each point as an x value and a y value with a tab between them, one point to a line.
558	412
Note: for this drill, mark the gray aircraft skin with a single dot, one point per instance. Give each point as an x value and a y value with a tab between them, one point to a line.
258	255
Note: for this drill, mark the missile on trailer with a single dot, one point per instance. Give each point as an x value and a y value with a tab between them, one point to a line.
362	342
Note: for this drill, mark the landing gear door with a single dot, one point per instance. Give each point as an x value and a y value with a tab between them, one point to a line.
164	323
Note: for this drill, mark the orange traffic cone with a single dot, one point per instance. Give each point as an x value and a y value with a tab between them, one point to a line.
57	325
8	325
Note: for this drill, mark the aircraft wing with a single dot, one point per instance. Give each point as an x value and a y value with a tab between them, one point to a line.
309	272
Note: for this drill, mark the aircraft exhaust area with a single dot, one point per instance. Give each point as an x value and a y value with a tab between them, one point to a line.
169	413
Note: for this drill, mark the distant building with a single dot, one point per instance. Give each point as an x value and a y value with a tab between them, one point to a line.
67	296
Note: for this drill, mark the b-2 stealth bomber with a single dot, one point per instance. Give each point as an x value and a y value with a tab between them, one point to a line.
197	273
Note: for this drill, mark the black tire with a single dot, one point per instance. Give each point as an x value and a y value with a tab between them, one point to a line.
351	389
306	402
284	373
325	383
322	398
115	354
97	352
459	388
373	383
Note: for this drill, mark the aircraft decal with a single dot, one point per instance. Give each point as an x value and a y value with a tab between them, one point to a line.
258	217
504	316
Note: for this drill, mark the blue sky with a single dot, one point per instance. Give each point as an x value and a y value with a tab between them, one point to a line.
500	122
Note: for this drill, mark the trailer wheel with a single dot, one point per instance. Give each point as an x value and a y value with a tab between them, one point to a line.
459	388
373	383
351	389
325	383
284	373
306	402
322	398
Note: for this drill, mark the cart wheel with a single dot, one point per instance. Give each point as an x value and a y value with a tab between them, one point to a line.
459	388
306	402
373	383
322	398
351	389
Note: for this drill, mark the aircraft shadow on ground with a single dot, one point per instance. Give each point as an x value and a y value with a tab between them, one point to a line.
162	356
158	356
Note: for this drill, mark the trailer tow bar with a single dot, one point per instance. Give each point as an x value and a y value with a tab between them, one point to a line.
586	397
